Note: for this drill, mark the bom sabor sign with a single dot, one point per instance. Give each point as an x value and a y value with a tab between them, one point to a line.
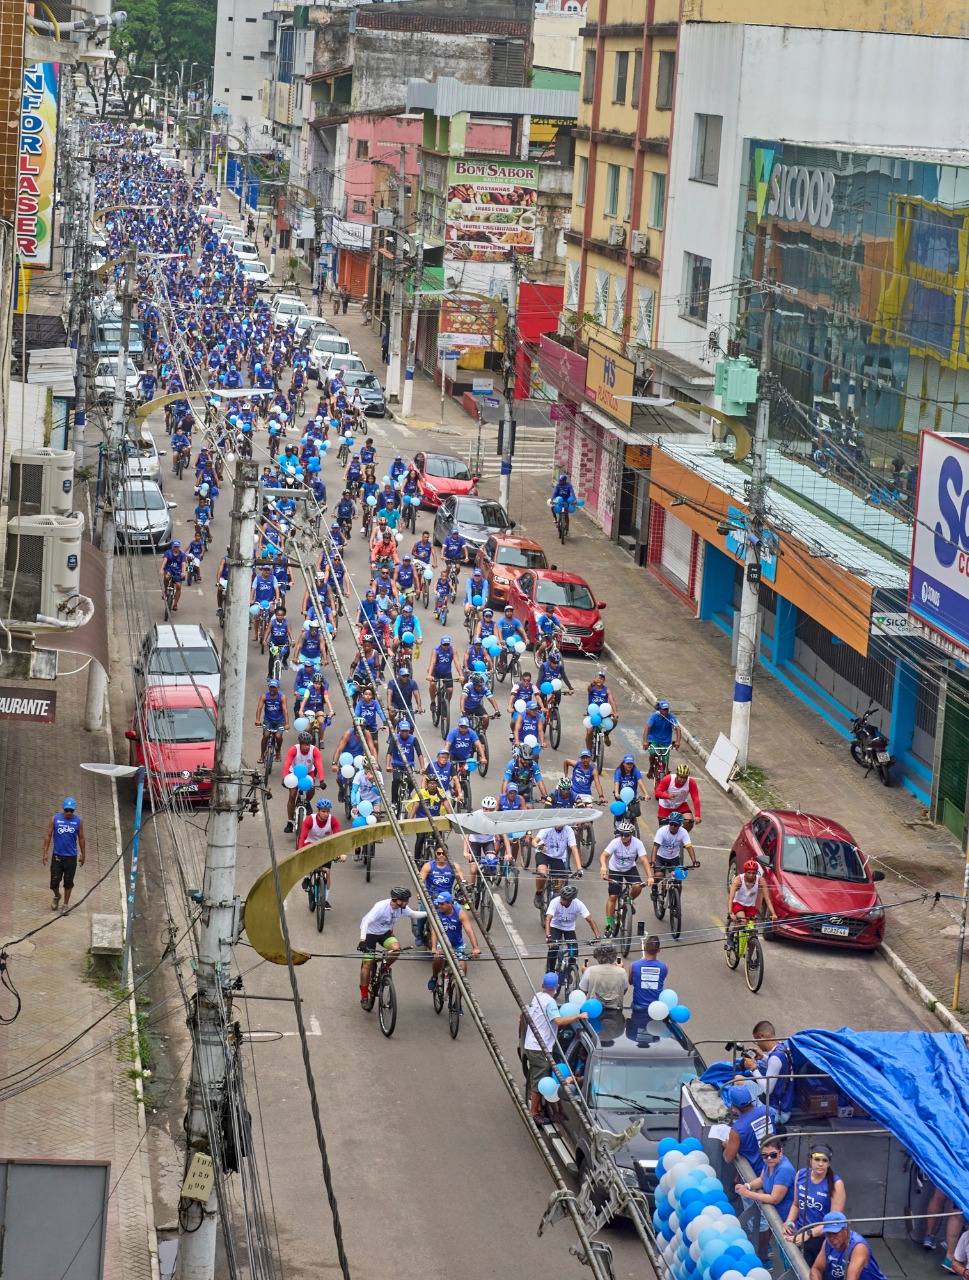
607	377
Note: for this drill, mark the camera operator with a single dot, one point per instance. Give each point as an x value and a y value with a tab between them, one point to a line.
772	1069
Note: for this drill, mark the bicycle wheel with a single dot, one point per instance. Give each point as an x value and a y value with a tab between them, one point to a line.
483	764
486	909
598	749
731	952
320	904
375	980
587	843
445	715
436	710
269	759
754	963
676	911
467	801
387	1005
439	992
511	882
659	901
299	817
526	852
368	852
453	1009
554	728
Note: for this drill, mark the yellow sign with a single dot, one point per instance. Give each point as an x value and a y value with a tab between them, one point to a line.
608	376
639	456
199	1179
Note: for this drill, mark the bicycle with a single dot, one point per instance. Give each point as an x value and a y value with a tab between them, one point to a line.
343	453
585	839
400	791
483	890
180	463
562	524
659	759
440	610
667	892
441	707
549	892
483	738
471	621
275	662
453	577
554	721
424	594
261	627
598	747
301	402
463	774
742	942
300	810
566	966
381	992
317	893
273	748
169	598
410	517
507	664
622	920
446	992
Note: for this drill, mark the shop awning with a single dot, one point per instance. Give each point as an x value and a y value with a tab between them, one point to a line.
915	1083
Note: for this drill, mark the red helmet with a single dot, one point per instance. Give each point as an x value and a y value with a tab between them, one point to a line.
751	865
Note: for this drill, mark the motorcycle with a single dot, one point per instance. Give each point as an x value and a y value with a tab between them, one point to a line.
870	748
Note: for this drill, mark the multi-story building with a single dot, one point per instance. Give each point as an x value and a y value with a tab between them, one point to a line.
244	39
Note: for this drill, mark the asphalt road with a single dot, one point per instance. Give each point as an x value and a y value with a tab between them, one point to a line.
434	1173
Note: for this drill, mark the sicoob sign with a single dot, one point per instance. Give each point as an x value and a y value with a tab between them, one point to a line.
939	583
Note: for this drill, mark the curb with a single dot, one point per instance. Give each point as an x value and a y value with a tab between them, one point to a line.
920	990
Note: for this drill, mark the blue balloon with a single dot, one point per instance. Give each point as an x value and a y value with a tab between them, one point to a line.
562	1071
255	610
689	1144
627	795
305	783
408	637
547	1086
617	808
580	502
595	719
546	687
301	770
346	757
479	666
680	873
666	1146
706	1238
358	822
476	601
592	1007
472	765
721	1265
365	808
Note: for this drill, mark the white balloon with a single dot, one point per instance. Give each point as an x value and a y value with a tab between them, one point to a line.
358	761
694	1249
530	740
520	705
371	820
657	1009
675	1224
577	996
671	1159
290	781
346	770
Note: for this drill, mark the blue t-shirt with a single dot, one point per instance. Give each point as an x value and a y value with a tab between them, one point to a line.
780	1174
648	980
753	1126
582	779
65	835
462	743
659	728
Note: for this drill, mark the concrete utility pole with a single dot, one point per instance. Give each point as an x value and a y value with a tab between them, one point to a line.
116	432
510	370
749	624
407	401
220	908
397	301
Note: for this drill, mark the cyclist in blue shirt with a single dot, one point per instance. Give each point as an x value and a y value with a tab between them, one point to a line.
173	570
304	678
443	662
464	743
423	550
407	620
404	579
369	715
181	444
663	731
442	591
273	715
473	700
547	628
553	668
310	643
280	637
523	770
486	626
403	695
509	628
455	548
403	752
476	654
445	771
584	777
397	468
530	721
563	492
475	588
368	454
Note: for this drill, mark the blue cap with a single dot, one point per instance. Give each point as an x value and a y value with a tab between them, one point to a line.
512	786
445	639
404	724
70	803
273	684
442	898
833	1222
551	981
663	706
740	1096
629	759
464	723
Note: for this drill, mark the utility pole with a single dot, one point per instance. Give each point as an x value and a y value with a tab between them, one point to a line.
219	906
407	401
116	431
749	624
510	370
397	302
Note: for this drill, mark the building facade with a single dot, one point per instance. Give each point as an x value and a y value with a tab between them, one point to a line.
244	39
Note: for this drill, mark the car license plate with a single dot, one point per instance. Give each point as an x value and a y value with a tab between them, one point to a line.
835	930
188	786
882	757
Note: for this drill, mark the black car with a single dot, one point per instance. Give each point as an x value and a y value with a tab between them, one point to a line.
630	1069
477	519
370	390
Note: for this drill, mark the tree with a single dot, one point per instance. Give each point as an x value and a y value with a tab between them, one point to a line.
166	32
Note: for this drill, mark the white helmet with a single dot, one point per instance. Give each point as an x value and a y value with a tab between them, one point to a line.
489	804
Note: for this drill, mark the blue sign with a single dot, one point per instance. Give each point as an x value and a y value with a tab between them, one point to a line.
72	562
66	485
453	354
492	402
735	544
939	586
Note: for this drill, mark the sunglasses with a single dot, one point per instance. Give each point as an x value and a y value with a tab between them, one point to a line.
771	1155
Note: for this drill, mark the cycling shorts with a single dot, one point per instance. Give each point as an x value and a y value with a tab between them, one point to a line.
667	864
618	878
556	866
374	940
742	911
173	577
444	676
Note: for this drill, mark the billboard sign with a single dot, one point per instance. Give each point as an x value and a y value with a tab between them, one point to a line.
35	165
939	583
491	210
608	376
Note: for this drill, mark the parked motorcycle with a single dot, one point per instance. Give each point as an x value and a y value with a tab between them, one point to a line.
870	748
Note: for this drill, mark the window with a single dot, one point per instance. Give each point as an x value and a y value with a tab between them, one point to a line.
589	75
618	304
657	201
643	319
507	63
664	81
627	212
363	148
620	76
572	268
706	148
696	288
611	206
637	77
359	206
600	303
246	97
248	57
582	181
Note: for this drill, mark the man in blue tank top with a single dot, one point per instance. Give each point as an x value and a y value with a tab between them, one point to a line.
67	832
845	1255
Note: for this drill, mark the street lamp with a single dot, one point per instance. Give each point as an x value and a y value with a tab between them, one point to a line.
116	772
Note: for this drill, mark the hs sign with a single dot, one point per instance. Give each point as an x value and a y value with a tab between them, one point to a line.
798	194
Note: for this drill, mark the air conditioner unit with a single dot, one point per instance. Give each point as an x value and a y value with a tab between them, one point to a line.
639	241
617	235
42	482
46	551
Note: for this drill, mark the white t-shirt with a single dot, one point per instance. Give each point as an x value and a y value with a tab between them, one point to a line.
672	843
556	844
382	917
564	915
961	1251
624	857
540	1013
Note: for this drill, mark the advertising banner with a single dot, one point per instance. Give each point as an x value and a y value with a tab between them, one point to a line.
608	376
939	583
35	165
491	210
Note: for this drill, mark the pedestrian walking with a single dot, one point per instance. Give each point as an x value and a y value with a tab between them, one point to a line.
336	302
250	226
345	299
385	344
66	830
267	235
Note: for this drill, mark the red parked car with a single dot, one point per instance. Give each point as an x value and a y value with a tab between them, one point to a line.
817	878
442	474
172	735
575	607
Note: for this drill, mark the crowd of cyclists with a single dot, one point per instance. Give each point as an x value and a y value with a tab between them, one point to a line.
208	334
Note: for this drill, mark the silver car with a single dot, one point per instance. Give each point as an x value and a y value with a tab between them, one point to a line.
142	517
142	457
106	374
179	653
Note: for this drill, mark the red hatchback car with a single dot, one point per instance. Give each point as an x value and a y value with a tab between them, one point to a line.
442	474
172	735
817	878
575	607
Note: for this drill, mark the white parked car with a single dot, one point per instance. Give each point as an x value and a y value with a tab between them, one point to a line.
142	457
329	343
257	271
105	374
287	311
245	250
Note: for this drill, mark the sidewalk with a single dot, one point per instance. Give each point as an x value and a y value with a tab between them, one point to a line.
799	761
